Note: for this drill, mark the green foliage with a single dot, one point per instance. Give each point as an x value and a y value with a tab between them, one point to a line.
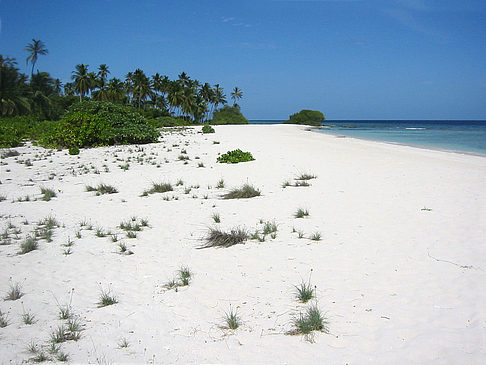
228	115
219	238
308	117
101	123
207	129
235	156
168	122
14	129
74	151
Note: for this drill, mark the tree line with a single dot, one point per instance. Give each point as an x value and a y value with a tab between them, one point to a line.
155	95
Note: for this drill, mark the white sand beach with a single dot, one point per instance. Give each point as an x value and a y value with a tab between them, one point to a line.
399	271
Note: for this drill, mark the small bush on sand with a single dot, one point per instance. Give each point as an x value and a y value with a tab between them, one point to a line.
30	244
107	298
246	191
219	238
301	213
235	157
207	129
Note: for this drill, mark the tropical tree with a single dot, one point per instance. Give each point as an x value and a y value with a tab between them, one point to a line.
13	89
219	97
83	81
100	81
236	94
36	48
141	87
115	90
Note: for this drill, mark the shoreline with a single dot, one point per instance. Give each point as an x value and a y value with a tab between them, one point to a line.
398	270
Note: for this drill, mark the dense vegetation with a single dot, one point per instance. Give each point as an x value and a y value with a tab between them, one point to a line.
308	117
161	101
229	115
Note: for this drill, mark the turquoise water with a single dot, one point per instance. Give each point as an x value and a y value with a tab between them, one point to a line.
453	135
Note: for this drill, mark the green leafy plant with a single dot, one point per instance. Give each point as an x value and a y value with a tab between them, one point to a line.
233	321
311	320
48	194
304	292
235	156
207	129
301	213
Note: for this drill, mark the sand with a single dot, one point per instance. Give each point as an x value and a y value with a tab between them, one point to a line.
399	272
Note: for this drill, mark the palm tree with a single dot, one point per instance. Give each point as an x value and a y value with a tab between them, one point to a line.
36	48
13	89
115	90
219	97
236	94
141	86
82	80
57	86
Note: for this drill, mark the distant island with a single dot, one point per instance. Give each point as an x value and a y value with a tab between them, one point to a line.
307	117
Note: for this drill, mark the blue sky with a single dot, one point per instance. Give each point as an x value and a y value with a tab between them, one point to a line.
350	59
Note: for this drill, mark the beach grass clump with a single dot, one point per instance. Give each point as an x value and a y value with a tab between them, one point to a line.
245	192
28	318
102	189
15	292
47	194
30	244
301	213
300	183
107	298
316	236
218	238
269	228
184	275
65	311
216	218
304	292
158	188
123	343
3	320
10	153
232	319
306	176
207	129
311	320
235	156
220	184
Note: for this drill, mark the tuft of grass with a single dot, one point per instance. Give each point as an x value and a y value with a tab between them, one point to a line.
30	244
200	164
107	298
3	319
246	191
299	183
158	188
184	275
286	183
305	176
131	234
114	237
301	213
304	292
40	357
59	335
65	311
48	194
28	318
232	319
124	249
62	357
15	292
74	329
311	320
315	236
219	238
102	189
123	343
269	227
216	218
100	232
220	184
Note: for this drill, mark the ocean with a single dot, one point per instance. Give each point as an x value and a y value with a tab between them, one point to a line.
465	136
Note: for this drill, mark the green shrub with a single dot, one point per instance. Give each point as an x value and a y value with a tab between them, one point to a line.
235	157
100	123
74	151
228	115
207	129
14	129
308	117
